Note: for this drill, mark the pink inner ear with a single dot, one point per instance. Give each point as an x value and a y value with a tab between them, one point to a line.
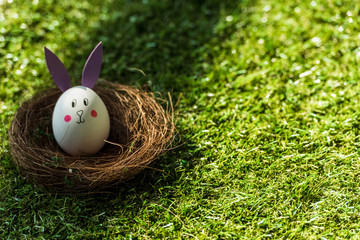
93	113
67	118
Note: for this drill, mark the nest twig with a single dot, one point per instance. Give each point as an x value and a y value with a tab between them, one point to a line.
140	130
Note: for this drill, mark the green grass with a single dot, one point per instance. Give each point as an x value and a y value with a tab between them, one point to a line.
269	117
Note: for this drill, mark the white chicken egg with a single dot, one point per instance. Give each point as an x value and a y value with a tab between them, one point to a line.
80	121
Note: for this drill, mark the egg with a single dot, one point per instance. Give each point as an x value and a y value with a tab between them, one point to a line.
80	121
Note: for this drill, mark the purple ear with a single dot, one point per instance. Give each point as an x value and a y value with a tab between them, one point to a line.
57	70
92	67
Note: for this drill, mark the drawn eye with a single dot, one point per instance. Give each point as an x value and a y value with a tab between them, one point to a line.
73	103
86	101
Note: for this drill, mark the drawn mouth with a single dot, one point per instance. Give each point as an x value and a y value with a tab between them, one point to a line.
80	113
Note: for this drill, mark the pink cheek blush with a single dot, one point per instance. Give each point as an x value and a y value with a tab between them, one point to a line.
67	118
93	113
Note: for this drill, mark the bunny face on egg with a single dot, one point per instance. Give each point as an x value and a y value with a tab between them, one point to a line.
80	120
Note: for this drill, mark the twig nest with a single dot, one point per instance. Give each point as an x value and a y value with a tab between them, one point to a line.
140	130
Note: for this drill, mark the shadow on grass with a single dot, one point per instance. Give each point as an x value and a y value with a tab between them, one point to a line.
165	39
162	38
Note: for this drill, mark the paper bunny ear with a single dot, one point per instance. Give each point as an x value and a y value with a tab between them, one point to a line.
57	70
92	67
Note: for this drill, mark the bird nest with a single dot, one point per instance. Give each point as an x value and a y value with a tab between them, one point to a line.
140	130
